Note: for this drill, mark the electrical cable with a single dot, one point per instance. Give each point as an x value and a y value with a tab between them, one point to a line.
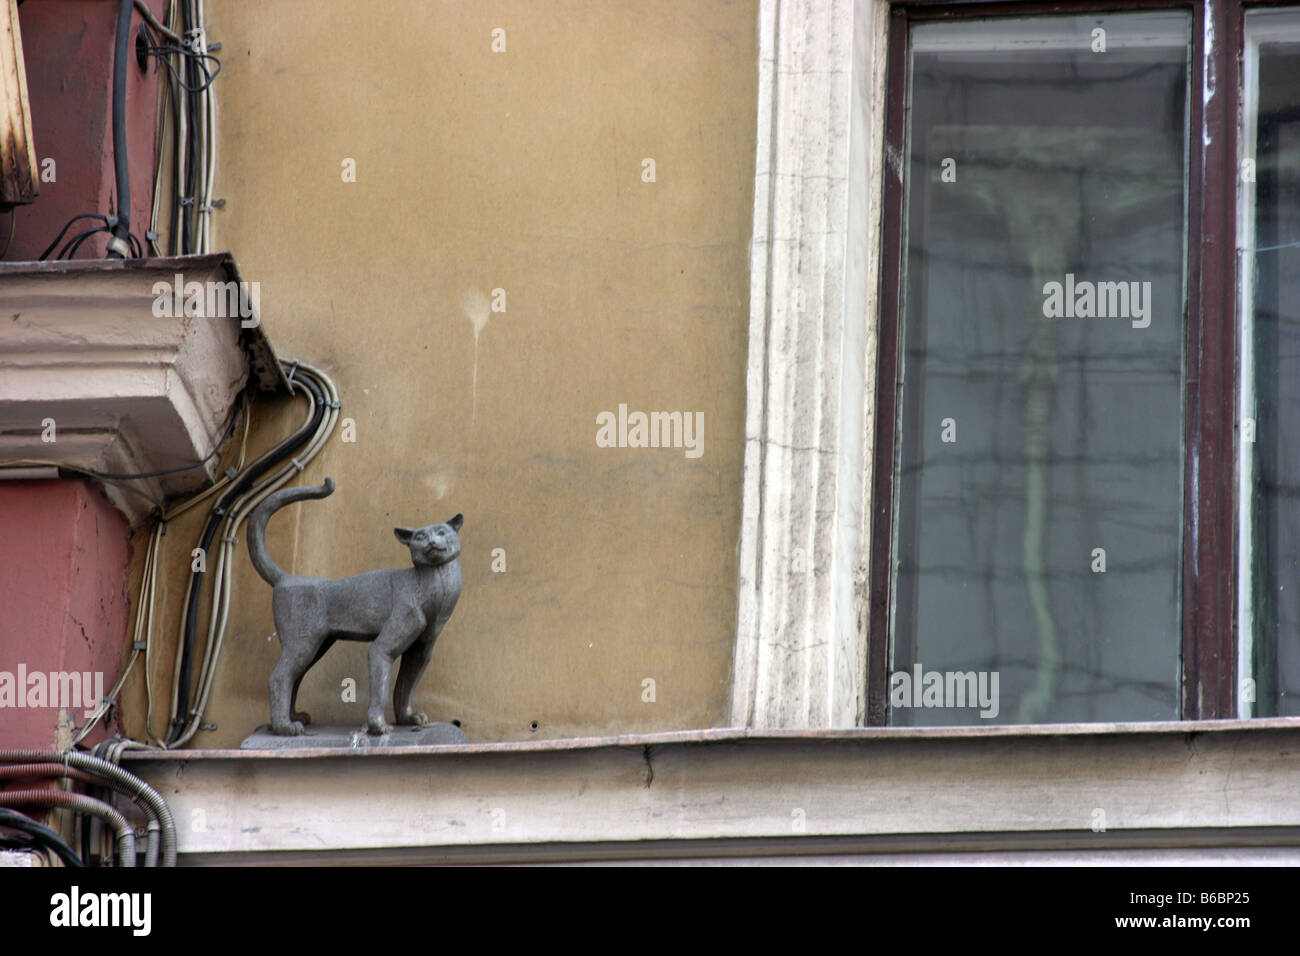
153	21
182	696
225	560
209	142
118	247
192	68
47	770
82	804
57	239
71	247
255	471
160	137
230	430
180	153
83	761
69	250
13	820
120	479
148	592
208	76
148	574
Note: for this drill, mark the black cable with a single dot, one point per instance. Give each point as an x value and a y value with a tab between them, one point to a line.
68	225
245	481
13	820
123	227
73	245
69	250
230	430
164	51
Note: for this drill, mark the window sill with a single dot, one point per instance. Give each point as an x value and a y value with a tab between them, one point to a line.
1127	789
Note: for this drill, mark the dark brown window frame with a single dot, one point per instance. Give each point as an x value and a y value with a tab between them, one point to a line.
1209	562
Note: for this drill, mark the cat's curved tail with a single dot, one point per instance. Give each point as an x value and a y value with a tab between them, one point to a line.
266	567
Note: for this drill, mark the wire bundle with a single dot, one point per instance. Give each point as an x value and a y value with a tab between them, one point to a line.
246	492
189	128
108	224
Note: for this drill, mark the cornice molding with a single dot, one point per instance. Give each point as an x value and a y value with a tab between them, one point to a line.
128	391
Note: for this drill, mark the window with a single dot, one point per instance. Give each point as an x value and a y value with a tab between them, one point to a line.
1061	485
1269	297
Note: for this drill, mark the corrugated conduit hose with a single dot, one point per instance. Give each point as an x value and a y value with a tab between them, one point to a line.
133	785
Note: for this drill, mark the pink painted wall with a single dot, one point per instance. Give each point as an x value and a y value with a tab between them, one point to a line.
68	49
64	562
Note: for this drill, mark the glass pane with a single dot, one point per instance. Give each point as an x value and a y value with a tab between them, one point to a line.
1038	527
1269	244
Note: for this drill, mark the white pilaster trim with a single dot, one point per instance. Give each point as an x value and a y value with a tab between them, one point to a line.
800	657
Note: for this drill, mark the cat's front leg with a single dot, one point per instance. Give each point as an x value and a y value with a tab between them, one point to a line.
381	667
414	661
392	640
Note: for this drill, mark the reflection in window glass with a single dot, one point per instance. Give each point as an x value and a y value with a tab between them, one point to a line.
1039	487
1269	244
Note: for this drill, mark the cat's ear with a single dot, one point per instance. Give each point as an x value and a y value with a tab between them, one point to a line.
456	522
404	534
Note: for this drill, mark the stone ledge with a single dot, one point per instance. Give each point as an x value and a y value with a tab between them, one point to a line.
129	391
1161	728
1094	788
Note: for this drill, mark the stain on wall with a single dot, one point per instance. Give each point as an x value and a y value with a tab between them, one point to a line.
499	274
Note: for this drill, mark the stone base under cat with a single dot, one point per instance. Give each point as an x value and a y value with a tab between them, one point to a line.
355	738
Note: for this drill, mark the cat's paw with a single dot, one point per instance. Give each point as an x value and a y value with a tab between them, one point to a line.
292	729
414	717
302	716
377	728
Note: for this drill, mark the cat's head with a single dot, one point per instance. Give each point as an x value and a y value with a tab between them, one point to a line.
434	544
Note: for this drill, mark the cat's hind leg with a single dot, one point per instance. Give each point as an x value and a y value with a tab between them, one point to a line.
301	716
299	652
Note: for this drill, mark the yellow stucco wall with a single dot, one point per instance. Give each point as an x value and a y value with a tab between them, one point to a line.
477	171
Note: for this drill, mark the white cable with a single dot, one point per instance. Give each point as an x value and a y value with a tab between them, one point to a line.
221	601
223	586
